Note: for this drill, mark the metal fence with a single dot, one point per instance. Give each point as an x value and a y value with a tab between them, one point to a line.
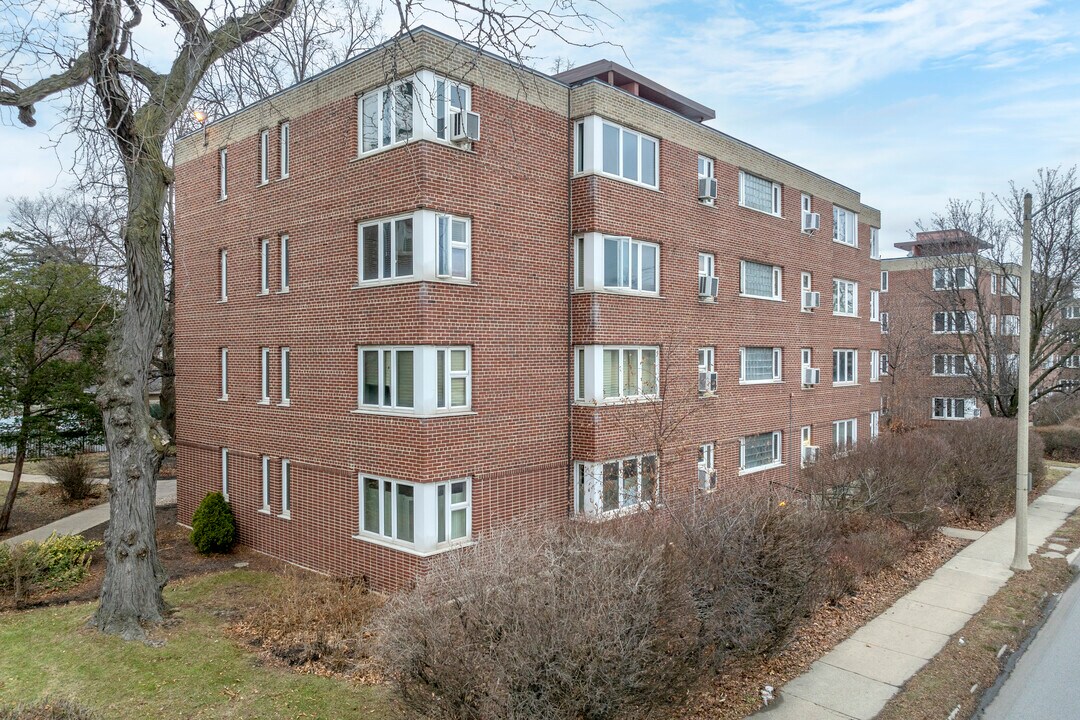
42	448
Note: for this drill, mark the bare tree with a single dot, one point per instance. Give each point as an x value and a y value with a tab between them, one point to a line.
976	289
136	107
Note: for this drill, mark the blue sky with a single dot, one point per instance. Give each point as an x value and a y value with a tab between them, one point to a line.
910	102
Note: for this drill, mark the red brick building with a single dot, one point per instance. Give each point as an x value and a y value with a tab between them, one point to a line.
413	306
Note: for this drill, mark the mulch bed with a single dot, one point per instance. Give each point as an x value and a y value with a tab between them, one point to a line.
37	505
737	693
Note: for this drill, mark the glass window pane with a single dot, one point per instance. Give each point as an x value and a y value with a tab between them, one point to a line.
630	372
387	109
630	155
648	478
458	523
440	378
370	120
648	268
371	377
611	149
387	378
630	482
403	103
458	262
371	505
403	246
404	378
443	243
757	193
405	512
370	251
648	372
611	262
648	161
758	450
457	361
610	488
388	508
758	363
440	109
611	373
458	493
441	512
457	392
387	250
757	279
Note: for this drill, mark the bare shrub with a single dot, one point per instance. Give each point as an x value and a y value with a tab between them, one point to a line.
47	709
755	569
74	475
314	623
573	622
896	476
1061	442
1056	410
863	545
982	466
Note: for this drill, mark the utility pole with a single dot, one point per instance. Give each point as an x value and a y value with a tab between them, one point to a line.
1023	390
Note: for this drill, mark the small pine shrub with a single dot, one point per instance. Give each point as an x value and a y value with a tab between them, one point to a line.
213	526
46	709
73	474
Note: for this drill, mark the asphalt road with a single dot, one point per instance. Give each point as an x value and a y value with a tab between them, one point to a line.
1045	684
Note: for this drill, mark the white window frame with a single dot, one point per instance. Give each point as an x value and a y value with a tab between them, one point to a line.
225	473
961	277
850	428
286	489
875	250
884	370
283	149
589	487
382	382
952	365
777	193
381	225
806	440
777	362
223	174
883	318
945	408
875	365
706	171
444	399
1010	285
777	281
706	265
264	156
632	251
284	251
875	424
224	360
1072	312
264	382
640	138
845	290
265	465
706	466
849	221
875	305
850	361
223	275
426	398
1010	325
264	266
387	514
806	281
445	107
445	246
884	281
445	515
623	370
381	95
949	322
777	460
286	379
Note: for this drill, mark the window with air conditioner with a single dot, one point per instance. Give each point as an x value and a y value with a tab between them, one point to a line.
760	364
706	180
757	280
810	299
845	367
845	297
706	371
808	450
708	283
811	221
845	226
453	105
758	193
760	452
810	375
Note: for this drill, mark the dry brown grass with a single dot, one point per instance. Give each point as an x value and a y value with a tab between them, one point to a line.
314	624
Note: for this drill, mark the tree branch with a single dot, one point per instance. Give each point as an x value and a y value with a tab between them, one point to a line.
78	72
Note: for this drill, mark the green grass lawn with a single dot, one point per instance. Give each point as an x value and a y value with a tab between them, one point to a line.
198	672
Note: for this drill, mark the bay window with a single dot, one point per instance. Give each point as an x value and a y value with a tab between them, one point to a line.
615	486
386	116
423	245
612	263
421	517
386	249
604	147
610	374
416	380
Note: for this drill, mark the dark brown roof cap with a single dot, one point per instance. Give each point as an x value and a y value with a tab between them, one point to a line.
626	79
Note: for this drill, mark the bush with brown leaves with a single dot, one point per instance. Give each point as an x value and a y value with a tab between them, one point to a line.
74	475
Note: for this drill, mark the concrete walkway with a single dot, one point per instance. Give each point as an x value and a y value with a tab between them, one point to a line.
80	522
5	476
862	673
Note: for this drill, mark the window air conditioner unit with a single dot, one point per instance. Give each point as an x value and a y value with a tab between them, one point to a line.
810	222
809	454
811	375
706	381
811	299
465	126
708	286
706	188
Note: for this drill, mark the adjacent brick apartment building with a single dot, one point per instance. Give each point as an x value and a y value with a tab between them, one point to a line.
429	293
949	313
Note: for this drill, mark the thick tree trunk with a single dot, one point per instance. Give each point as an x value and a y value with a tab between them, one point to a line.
16	473
131	596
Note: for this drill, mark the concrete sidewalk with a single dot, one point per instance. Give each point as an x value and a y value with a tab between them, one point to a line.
80	522
862	673
5	476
